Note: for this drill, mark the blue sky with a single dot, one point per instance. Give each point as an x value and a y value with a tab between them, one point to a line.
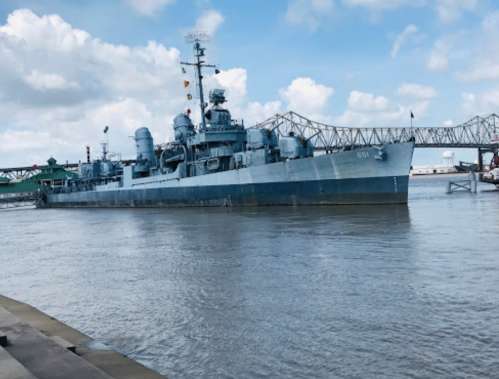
342	62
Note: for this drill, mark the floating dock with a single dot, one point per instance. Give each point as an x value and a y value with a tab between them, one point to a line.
34	345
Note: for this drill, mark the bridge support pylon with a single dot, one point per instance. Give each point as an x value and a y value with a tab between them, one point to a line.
480	160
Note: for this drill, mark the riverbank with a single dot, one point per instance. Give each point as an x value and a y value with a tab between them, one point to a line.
443	175
39	346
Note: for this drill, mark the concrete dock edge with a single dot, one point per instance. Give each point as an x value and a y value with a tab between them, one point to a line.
111	362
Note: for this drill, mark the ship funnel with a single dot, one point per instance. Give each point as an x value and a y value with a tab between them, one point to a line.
145	146
183	128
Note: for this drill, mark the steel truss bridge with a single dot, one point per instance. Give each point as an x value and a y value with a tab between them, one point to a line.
18	200
476	133
29	171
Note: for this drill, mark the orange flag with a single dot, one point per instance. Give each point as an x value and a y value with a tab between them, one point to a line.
186	83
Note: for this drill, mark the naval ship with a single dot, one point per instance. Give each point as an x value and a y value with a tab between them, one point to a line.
219	162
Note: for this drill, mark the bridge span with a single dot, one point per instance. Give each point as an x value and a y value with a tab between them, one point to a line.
476	133
22	173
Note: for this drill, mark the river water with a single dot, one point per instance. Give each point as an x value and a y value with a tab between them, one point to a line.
278	292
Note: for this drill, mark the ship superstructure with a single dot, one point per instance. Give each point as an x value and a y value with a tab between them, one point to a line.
220	162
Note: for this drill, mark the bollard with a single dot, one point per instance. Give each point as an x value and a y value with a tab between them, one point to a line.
448	190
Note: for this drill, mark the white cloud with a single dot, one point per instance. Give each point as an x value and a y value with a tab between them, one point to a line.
492	98
305	96
49	31
234	81
367	102
481	104
379	4
60	86
469	101
450	10
491	23
448	123
350	79
368	110
66	138
401	38
437	62
376	7
209	22
257	112
485	65
439	57
480	70
46	82
27	140
149	7
416	91
309	13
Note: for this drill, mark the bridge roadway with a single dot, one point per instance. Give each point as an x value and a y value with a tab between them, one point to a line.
22	173
476	133
28	171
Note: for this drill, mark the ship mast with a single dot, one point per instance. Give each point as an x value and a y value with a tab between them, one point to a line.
196	38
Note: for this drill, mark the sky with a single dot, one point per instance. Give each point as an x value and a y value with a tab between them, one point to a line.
70	68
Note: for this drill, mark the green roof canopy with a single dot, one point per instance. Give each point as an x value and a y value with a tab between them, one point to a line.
52	171
56	175
20	187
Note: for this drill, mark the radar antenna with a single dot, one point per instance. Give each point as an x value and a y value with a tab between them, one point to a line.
197	37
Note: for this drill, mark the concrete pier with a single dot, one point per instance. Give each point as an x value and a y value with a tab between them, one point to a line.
41	347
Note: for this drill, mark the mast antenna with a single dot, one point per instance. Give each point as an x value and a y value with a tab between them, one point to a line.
196	37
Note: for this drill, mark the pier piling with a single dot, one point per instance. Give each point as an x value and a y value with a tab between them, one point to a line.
469	185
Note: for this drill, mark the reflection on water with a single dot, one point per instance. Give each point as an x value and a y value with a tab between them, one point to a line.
322	292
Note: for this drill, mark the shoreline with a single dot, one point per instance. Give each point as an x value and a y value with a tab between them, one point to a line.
438	175
22	324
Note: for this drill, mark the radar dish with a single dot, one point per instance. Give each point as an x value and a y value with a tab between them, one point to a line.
197	36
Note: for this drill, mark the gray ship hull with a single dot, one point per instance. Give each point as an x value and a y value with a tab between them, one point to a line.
352	177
